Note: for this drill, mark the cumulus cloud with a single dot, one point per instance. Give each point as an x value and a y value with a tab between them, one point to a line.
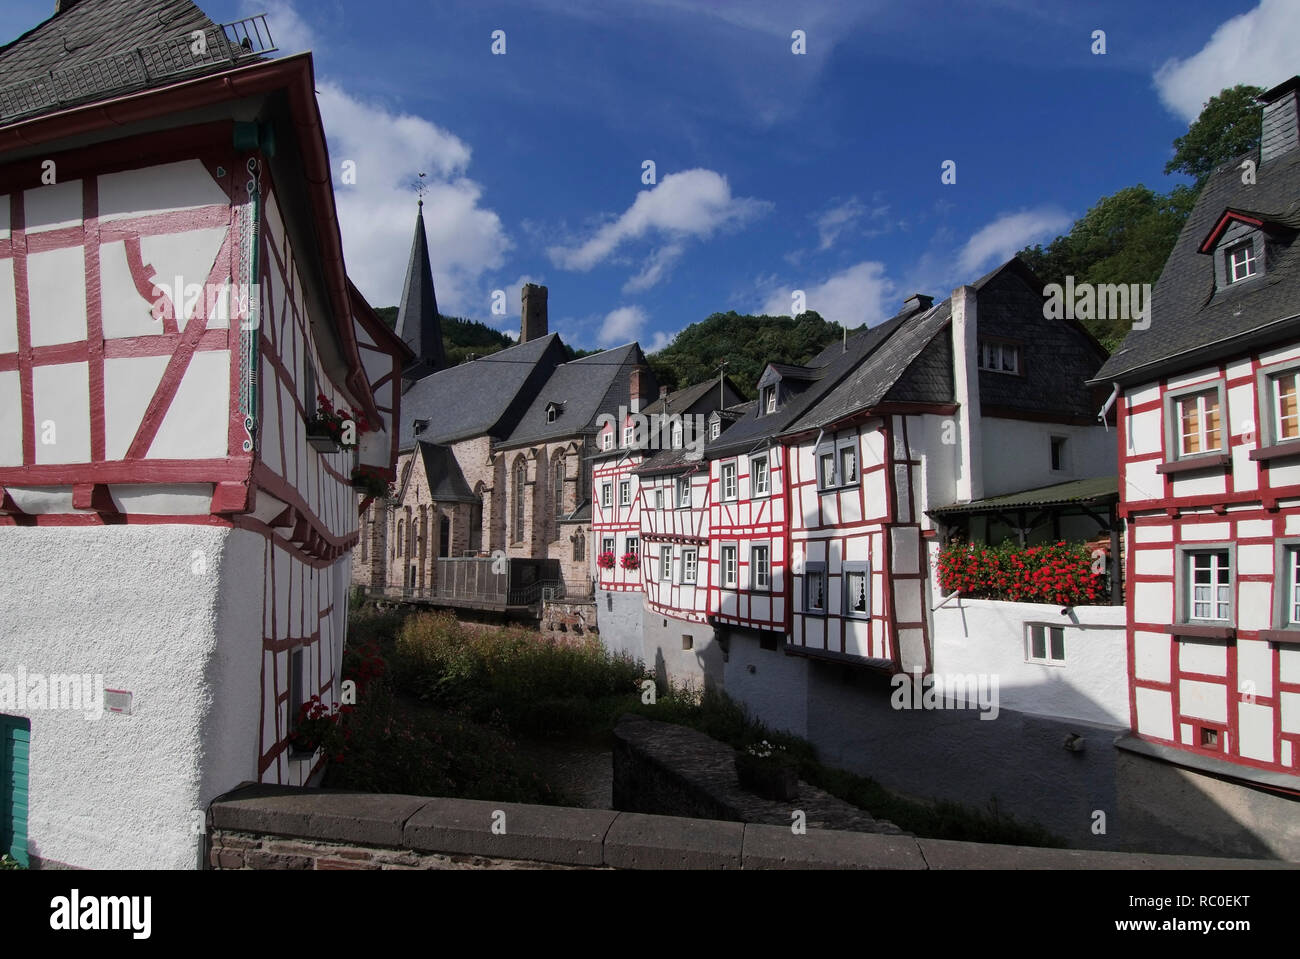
856	295
999	240
621	326
377	213
1256	47
657	266
689	204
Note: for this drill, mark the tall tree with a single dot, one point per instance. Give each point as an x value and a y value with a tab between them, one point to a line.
1228	127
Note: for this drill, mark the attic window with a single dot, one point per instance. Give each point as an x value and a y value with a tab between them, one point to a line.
421	426
552	411
1242	262
999	357
769	400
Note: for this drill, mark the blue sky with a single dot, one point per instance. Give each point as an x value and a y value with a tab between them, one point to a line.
775	172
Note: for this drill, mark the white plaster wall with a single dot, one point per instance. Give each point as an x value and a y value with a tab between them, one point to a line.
987	636
1017	454
127	602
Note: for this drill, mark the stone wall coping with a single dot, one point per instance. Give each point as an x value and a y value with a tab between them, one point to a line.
626	840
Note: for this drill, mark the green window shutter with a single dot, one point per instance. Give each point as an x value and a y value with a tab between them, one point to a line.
15	747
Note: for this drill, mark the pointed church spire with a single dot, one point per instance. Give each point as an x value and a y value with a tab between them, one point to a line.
418	323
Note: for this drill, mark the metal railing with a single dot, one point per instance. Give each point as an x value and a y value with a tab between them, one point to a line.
139	67
471	589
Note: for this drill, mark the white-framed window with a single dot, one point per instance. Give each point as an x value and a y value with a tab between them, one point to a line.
607	440
665	563
607	544
629	435
814	589
728	562
675	440
848	474
625	493
1195	421
550	414
690	564
760	567
606	494
826	469
769	400
1241	261
715	428
683	492
1200	423
659	498
857	590
1279	401
998	357
728	480
1044	644
1205	584
634	545
758	477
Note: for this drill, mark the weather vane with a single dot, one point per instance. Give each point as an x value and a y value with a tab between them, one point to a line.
420	188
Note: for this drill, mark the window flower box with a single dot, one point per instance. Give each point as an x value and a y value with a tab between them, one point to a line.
331	430
630	561
368	480
1063	574
605	560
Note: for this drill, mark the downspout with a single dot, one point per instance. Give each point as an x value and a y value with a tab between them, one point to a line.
1114	395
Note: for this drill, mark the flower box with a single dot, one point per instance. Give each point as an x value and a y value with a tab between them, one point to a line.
630	561
368	480
1062	574
331	430
322	442
605	560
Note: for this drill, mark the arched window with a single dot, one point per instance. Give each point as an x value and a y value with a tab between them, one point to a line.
557	489
521	477
400	526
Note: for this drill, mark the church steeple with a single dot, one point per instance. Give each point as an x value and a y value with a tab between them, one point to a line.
418	323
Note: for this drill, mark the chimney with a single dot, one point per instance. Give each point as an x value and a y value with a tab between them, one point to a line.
1280	131
966	389
533	326
636	391
918	303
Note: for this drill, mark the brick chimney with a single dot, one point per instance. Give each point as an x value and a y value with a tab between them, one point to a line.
636	389
533	325
1280	132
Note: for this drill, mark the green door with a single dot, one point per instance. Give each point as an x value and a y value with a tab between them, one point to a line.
15	745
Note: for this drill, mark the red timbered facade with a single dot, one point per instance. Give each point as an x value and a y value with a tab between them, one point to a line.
1210	475
172	301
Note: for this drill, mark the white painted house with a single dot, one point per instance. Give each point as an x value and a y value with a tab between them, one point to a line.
173	299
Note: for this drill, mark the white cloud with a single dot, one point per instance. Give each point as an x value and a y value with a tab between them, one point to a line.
836	220
999	240
859	294
692	203
657	266
291	33
621	326
377	214
659	340
1256	47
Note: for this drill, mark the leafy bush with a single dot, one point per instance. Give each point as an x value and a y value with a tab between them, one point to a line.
514	677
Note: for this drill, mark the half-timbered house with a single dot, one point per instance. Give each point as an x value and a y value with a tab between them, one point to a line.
1210	475
173	300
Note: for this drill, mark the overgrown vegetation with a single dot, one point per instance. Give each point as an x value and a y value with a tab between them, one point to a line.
8	862
747	343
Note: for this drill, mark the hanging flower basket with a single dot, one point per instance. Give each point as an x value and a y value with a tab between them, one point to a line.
368	480
630	561
328	431
605	560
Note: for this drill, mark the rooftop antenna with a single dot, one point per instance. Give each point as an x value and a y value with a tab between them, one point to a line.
722	400
846	338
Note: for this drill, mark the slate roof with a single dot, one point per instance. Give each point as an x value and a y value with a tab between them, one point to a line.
669	461
827	369
583	389
684	399
108	31
418	322
482	397
1100	490
1190	321
446	482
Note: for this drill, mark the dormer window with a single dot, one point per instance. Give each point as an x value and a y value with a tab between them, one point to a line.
1242	261
552	411
421	426
607	440
769	400
715	428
